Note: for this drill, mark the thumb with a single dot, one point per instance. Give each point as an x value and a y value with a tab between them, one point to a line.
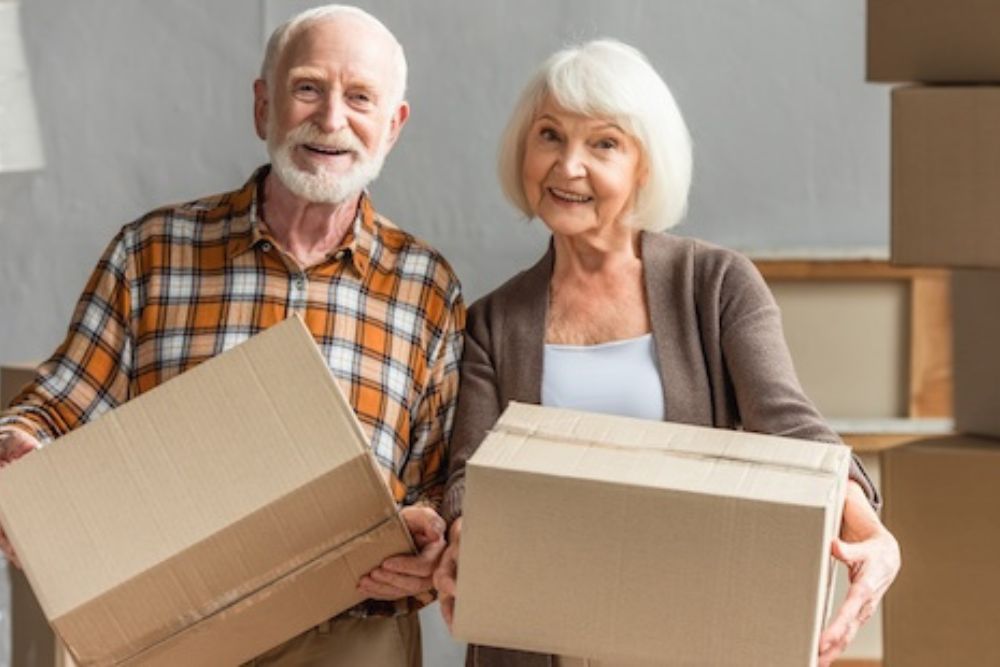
846	552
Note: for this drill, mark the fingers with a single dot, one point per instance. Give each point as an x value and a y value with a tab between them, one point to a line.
424	524
447	572
387	585
404	576
857	608
14	444
421	565
447	609
833	645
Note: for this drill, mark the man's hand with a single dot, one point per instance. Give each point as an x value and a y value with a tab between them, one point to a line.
13	445
871	555
446	575
404	576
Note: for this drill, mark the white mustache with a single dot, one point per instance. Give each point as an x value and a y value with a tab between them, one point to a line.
341	140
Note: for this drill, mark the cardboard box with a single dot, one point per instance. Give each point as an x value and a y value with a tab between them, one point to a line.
933	41
976	326
942	501
621	539
13	377
945	170
209	519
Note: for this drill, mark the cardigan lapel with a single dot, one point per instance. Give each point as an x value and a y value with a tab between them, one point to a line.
668	273
524	347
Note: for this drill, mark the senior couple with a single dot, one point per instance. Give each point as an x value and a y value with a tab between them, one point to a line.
597	150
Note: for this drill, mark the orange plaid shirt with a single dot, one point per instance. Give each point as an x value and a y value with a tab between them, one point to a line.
185	283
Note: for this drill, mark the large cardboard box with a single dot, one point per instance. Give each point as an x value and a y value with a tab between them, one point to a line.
933	40
942	501
209	519
628	540
945	170
976	326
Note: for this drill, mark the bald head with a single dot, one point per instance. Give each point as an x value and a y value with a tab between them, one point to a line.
290	29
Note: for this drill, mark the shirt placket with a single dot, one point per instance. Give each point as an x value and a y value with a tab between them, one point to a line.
298	292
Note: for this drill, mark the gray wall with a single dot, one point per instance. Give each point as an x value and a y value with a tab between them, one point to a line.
146	102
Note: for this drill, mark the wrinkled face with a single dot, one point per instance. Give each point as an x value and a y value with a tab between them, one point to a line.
330	115
580	174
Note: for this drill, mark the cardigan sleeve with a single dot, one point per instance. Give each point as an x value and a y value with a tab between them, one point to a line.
478	406
769	397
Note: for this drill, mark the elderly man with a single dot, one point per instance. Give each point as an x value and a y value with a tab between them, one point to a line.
186	282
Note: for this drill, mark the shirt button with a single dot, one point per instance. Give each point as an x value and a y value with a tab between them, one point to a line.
300	281
266	246
339	255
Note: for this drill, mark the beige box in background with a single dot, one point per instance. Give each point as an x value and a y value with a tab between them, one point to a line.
976	299
942	502
13	377
849	342
945	171
934	41
32	642
623	539
209	519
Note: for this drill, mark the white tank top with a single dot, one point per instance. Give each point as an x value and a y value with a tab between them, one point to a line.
619	378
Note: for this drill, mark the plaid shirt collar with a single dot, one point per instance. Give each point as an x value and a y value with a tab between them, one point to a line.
361	241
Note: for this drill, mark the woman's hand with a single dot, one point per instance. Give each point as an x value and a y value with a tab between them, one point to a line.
447	573
871	555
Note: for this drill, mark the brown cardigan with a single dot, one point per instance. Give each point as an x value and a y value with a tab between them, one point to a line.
723	360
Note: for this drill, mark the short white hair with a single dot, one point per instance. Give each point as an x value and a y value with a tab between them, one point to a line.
608	79
286	31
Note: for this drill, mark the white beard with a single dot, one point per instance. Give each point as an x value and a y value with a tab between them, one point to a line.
322	187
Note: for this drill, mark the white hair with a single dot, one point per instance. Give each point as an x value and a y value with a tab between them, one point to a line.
286	31
608	79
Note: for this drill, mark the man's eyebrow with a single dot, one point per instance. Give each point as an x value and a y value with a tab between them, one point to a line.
305	72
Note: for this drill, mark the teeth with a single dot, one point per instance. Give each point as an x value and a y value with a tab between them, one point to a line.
326	150
569	196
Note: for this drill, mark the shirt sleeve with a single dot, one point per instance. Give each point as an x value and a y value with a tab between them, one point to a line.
88	374
768	394
432	428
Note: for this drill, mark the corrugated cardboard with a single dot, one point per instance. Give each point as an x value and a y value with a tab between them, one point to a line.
945	170
976	326
32	642
933	41
942	502
209	519
622	539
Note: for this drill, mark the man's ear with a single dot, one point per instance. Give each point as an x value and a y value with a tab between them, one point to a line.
260	108
399	119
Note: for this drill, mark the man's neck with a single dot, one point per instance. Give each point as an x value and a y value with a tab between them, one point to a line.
307	231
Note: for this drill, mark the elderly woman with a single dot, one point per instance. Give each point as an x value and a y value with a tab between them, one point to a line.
619	318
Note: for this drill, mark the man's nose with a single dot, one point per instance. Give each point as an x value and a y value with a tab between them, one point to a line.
331	114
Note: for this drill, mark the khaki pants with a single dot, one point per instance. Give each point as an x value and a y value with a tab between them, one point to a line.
376	641
562	661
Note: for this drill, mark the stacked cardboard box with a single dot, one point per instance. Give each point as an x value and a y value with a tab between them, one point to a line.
942	496
210	518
